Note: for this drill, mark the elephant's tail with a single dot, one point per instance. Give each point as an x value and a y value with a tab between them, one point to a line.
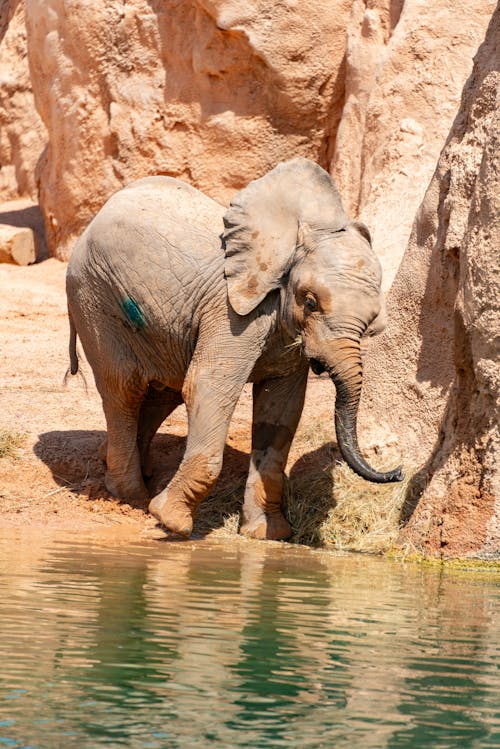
73	356
73	368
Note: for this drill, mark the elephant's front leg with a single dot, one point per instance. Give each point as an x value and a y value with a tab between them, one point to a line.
210	399
277	407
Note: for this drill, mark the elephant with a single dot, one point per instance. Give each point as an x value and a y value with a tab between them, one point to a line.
176	298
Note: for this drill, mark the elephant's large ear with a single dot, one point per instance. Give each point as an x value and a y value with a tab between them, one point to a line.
261	227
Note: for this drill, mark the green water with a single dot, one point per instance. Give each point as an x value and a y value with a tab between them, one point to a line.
194	645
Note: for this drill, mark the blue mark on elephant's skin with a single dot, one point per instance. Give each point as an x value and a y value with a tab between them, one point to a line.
133	313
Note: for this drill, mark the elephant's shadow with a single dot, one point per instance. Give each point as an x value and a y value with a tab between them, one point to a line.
73	458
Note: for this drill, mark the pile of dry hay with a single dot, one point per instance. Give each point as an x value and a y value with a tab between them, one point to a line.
325	502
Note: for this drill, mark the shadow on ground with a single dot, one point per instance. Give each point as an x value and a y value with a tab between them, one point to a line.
32	218
73	459
309	495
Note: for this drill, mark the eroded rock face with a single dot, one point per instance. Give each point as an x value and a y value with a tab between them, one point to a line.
434	374
216	92
407	61
22	134
212	91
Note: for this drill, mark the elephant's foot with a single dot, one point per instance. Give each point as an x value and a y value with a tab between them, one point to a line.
174	515
127	490
262	525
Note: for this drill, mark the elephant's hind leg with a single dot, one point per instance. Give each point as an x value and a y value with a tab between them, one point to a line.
121	408
156	406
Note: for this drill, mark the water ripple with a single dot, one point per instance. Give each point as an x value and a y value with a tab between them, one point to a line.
173	645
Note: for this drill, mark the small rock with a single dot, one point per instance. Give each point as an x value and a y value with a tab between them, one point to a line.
17	245
411	126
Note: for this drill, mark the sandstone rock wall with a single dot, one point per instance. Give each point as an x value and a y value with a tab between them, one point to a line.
22	134
407	61
218	91
213	91
434	374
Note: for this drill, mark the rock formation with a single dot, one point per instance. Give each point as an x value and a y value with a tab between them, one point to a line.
17	245
22	134
435	370
218	91
407	62
213	91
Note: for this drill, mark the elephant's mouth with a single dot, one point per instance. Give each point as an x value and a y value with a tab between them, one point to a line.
317	366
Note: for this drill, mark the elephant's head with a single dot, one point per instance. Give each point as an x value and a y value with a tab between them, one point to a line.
288	231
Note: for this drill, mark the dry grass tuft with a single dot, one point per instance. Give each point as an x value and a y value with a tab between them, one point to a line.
338	508
220	511
10	443
366	516
331	508
325	502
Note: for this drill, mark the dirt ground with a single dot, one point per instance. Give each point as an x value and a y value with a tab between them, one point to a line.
55	477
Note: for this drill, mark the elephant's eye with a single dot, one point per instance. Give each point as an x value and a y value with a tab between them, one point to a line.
310	303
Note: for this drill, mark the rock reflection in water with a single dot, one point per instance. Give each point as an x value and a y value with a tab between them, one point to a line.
241	645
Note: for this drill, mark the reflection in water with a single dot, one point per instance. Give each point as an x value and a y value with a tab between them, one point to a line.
249	645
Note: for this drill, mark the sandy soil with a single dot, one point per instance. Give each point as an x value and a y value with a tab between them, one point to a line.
56	480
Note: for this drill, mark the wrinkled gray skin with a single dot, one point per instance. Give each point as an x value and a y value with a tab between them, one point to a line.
168	311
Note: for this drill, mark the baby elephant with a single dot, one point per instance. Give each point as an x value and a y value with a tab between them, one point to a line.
176	298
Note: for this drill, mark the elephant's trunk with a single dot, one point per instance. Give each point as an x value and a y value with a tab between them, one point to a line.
345	369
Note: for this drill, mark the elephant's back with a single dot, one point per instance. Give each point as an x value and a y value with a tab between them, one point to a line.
159	229
169	203
167	212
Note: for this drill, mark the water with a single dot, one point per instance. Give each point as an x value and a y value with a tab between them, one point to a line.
244	645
